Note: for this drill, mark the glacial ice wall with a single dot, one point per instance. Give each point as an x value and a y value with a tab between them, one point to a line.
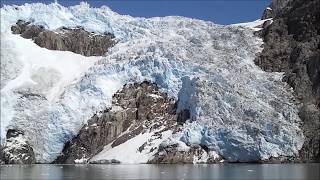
238	110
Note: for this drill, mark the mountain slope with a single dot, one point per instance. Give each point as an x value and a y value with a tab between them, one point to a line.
235	109
292	46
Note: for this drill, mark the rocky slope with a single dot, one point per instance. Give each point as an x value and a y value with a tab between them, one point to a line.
171	90
17	150
292	46
76	40
135	109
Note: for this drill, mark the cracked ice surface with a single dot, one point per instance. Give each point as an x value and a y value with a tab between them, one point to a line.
238	110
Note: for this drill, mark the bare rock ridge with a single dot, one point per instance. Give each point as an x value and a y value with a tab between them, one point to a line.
276	8
292	46
16	149
76	40
138	108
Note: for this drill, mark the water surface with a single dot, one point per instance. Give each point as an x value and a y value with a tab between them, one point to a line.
144	171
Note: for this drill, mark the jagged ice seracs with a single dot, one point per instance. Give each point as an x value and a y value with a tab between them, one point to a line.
237	110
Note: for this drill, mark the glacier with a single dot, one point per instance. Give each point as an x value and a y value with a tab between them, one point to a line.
237	110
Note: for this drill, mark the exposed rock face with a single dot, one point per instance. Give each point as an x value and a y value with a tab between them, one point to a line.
1	155
16	150
292	45
103	161
64	39
276	8
172	154
267	13
135	109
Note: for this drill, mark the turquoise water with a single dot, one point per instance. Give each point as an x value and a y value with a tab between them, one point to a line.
144	171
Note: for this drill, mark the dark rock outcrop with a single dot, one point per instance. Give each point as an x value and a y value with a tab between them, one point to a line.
137	108
267	13
292	46
183	116
172	155
112	161
2	161
16	149
76	40
276	8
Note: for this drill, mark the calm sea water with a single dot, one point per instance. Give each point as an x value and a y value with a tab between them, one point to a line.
143	171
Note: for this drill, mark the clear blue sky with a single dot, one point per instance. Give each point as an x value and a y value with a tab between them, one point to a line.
218	11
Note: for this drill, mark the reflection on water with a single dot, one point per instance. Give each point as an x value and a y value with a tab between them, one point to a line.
144	171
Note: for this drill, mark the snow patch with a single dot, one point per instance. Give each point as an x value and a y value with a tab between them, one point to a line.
128	152
255	25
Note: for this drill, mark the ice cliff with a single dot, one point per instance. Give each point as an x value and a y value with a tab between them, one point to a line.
236	109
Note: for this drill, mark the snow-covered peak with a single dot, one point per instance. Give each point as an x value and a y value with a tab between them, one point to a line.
100	20
53	16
